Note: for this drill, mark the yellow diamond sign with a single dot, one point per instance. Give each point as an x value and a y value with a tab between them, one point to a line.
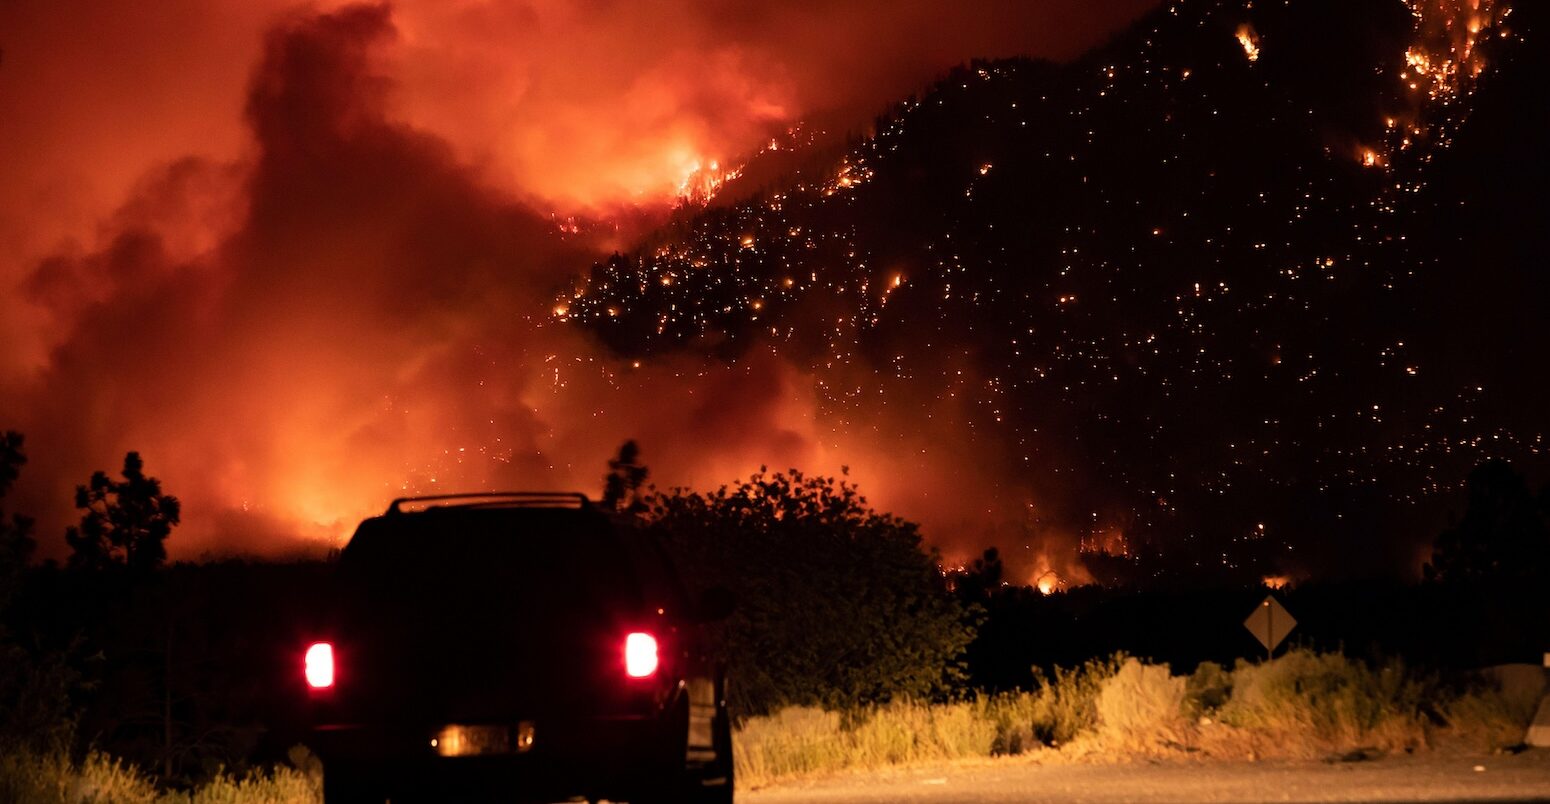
1270	622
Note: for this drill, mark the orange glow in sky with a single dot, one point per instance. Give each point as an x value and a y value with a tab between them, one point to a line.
305	260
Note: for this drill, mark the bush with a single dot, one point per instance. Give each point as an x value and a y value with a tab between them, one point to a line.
1142	707
838	605
1488	716
1313	704
1210	686
1068	706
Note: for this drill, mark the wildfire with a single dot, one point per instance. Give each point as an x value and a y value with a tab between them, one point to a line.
849	176
1110	541
701	183
1047	583
1441	65
1446	56
1249	39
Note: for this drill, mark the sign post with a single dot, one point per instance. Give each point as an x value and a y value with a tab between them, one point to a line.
1270	622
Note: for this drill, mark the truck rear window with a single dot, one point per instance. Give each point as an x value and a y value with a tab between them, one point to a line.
483	563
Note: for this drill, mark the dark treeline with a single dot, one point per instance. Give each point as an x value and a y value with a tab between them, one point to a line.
1440	626
1482	603
187	668
183	669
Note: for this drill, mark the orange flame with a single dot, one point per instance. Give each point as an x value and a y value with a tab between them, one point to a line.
1249	39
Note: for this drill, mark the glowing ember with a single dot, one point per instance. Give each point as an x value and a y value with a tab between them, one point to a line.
852	174
1249	40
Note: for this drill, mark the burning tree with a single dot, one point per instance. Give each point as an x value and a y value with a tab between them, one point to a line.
622	484
126	522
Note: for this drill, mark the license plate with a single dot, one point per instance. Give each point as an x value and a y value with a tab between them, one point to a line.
459	740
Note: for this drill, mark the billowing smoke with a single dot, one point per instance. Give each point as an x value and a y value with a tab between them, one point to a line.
303	288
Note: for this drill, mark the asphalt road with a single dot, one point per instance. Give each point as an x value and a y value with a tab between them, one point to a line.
1523	777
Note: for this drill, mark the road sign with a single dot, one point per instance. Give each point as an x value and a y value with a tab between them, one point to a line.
1270	622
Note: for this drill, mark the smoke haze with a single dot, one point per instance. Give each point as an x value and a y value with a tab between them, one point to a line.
302	260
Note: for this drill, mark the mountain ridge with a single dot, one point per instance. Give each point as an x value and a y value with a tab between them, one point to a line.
1212	239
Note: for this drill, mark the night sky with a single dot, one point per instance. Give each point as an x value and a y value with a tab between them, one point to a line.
1193	289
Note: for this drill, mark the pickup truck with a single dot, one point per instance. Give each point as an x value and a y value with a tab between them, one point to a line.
515	647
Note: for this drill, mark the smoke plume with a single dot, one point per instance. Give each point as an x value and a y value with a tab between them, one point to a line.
304	287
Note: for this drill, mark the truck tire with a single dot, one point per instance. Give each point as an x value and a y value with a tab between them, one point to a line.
351	784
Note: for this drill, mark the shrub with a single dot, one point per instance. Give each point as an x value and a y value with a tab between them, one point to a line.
1487	716
1209	688
1313	704
1142	708
838	605
1068	706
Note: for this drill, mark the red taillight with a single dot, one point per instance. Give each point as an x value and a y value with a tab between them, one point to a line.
640	655
320	665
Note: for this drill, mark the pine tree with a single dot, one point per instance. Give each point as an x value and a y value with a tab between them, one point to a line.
126	522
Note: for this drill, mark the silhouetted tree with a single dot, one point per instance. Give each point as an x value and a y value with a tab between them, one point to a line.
626	476
36	712
980	579
837	604
16	542
1502	536
11	459
126	522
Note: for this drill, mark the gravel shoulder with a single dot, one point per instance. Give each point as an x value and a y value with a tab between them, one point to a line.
1433	777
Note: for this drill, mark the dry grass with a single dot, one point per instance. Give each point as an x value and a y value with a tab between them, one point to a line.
803	740
1306	705
1301	706
1143	709
1489	716
100	779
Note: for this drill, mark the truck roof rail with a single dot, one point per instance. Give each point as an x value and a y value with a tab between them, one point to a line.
493	499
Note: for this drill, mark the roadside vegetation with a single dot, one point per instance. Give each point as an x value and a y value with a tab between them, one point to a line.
100	779
1302	705
123	679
